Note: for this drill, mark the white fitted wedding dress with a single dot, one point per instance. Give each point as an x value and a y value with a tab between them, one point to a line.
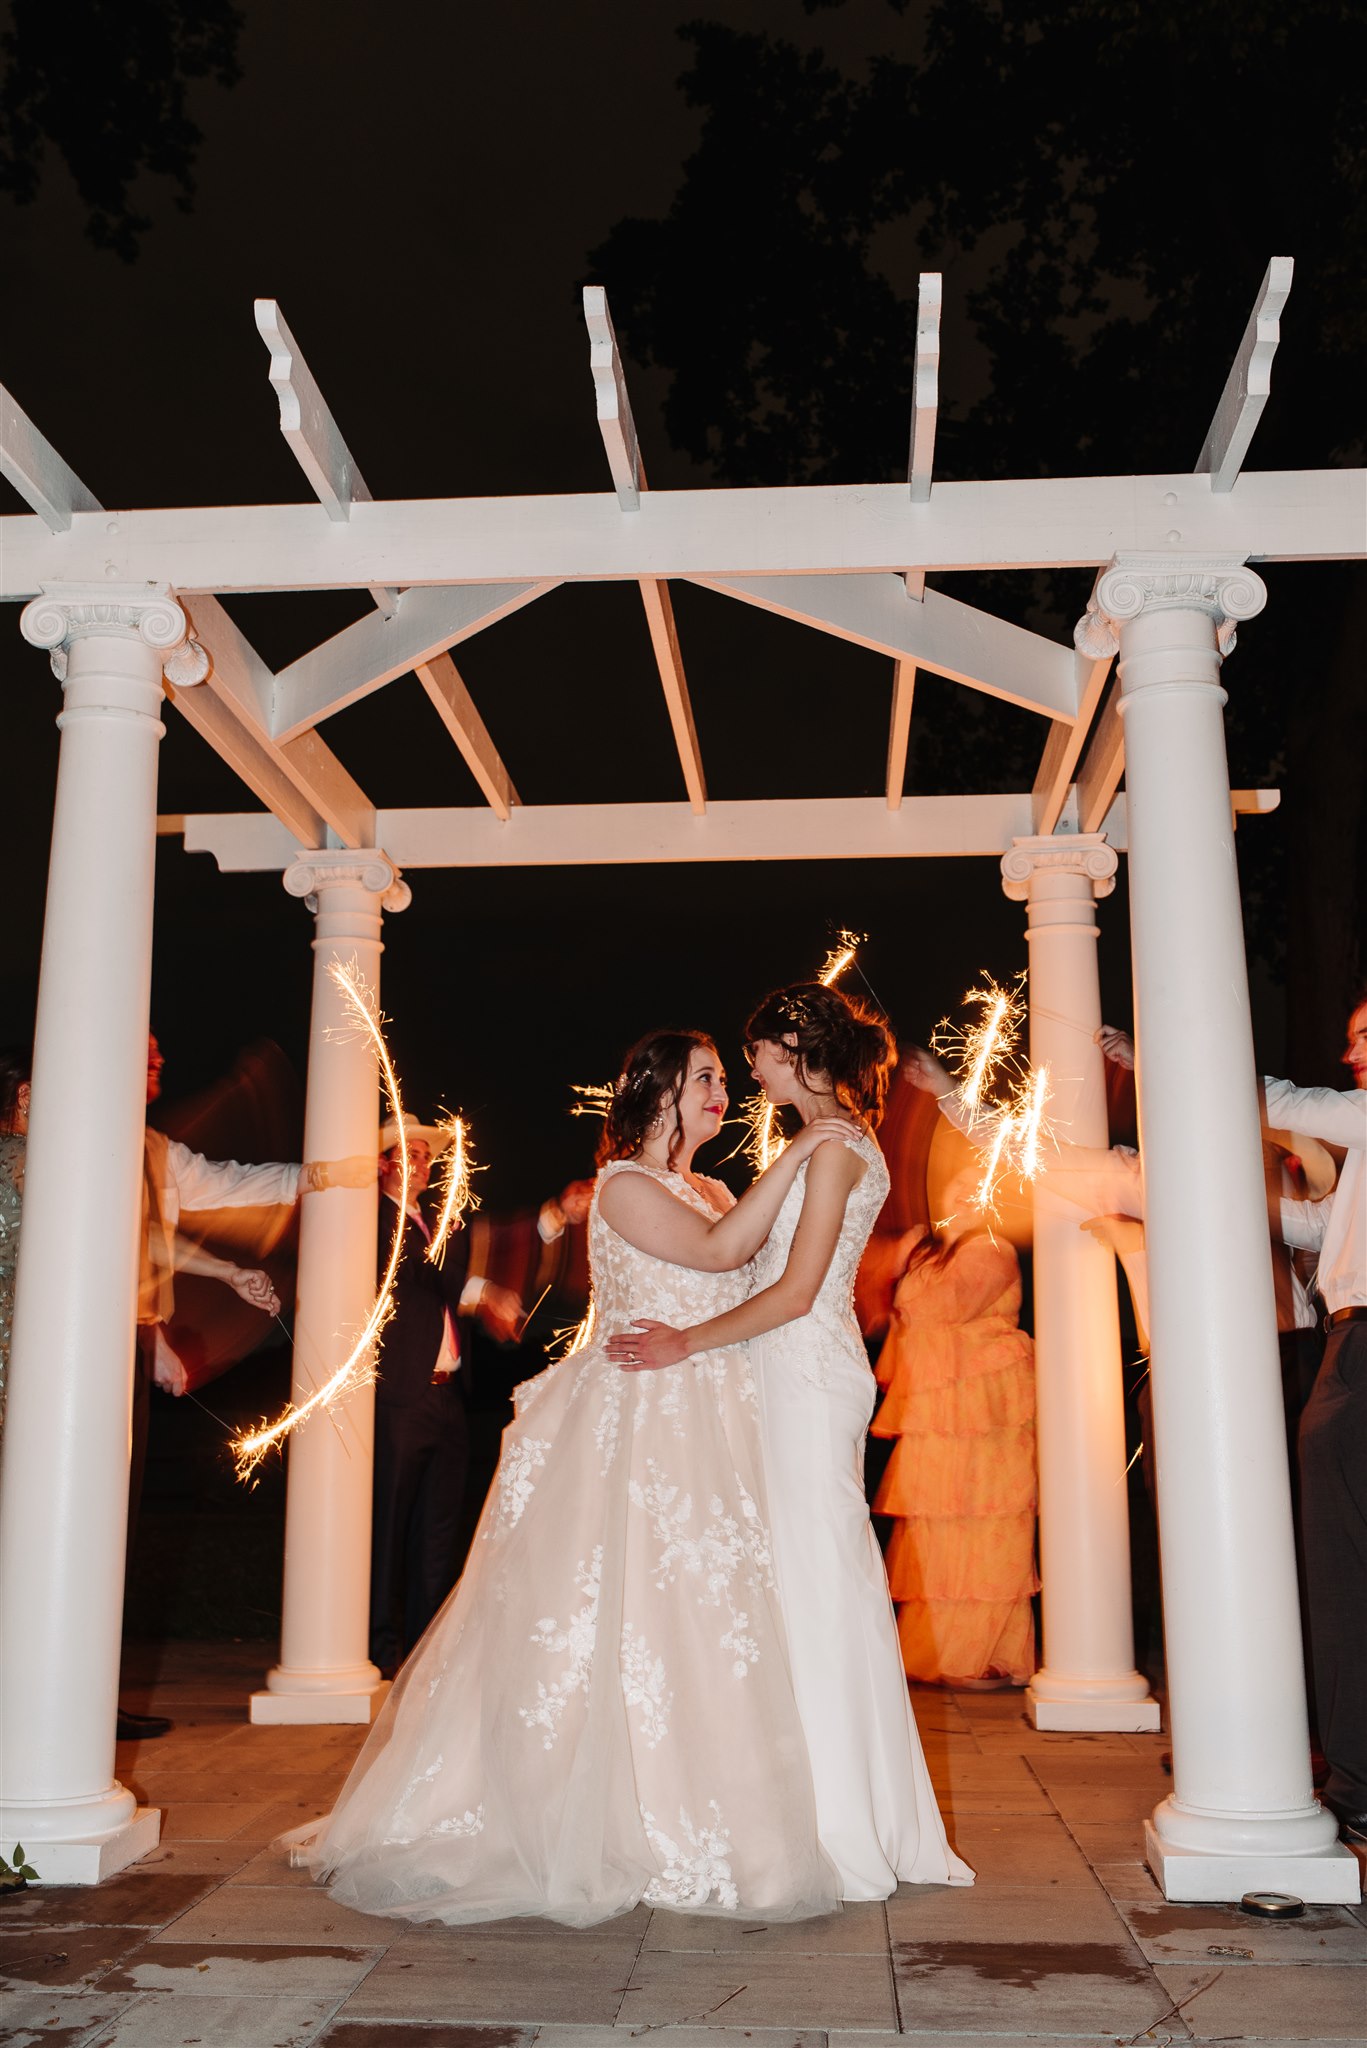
877	1815
602	1713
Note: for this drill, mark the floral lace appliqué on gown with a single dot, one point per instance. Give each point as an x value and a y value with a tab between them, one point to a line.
602	1713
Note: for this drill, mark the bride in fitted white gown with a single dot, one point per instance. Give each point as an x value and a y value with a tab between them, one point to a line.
602	1713
877	1815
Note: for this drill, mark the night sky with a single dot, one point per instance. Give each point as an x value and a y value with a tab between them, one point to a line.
419	186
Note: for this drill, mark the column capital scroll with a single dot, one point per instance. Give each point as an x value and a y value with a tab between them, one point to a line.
138	611
1221	586
309	873
1086	854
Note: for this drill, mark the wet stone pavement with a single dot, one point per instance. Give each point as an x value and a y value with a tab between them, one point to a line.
1065	1937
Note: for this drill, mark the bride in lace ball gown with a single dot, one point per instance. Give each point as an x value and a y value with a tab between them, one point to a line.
877	1816
603	1713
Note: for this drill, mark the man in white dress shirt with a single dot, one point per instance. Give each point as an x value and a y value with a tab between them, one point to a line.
1333	1438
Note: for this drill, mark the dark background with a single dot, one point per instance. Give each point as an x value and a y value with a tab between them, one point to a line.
425	187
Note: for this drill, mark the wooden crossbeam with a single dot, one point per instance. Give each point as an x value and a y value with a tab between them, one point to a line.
311	433
244	686
216	722
940	633
29	461
455	706
827	529
1250	380
1063	748
925	403
373	651
899	730
618	429
1103	765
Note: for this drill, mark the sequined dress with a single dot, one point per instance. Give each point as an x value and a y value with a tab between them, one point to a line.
602	1713
877	1814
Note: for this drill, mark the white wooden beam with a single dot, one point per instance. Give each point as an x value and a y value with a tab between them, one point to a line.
925	403
577	835
29	461
664	639
620	439
1062	749
940	633
899	730
455	706
1098	777
1250	380
241	680
615	422
834	529
372	652
311	433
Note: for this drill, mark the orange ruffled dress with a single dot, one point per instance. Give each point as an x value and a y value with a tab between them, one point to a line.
959	1376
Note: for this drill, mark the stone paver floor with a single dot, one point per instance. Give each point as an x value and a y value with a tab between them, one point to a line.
215	1940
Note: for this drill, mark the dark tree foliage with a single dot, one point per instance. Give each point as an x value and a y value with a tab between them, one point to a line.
105	83
1102	183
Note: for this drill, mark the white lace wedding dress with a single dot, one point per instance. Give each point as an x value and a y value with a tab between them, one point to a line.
877	1815
602	1713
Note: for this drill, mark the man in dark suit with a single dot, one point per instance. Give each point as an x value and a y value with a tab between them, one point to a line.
422	1435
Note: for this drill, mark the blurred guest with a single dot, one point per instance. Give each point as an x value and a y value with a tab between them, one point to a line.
960	1484
422	1431
179	1182
1333	1433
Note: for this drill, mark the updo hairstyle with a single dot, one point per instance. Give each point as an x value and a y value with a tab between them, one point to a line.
649	1085
837	1036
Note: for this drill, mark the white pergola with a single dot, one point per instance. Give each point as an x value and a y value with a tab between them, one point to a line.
127	605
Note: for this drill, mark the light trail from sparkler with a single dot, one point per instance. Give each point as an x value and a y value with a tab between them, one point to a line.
358	1369
1010	1135
982	1050
595	1098
457	1165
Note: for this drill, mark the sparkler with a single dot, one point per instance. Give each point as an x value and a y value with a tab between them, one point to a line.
358	1369
980	1050
595	1098
1010	1135
457	1165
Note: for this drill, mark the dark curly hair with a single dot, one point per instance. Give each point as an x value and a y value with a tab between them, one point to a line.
651	1081
836	1036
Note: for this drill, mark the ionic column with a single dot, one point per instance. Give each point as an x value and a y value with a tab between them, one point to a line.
325	1672
1242	1814
64	1496
1088	1678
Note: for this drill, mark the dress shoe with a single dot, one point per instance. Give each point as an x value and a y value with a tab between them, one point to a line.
132	1727
1353	1828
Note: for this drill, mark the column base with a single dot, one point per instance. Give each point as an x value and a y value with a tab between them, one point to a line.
87	1859
1330	1876
358	1705
1091	1706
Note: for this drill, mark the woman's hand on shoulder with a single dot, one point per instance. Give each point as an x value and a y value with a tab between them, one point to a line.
647	1346
821	1129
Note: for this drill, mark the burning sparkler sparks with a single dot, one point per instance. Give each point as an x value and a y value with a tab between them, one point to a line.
1009	1134
358	1369
457	1165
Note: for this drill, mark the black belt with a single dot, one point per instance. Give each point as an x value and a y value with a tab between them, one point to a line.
1344	1315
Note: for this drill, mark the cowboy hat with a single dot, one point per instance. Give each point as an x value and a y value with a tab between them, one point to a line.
436	1137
